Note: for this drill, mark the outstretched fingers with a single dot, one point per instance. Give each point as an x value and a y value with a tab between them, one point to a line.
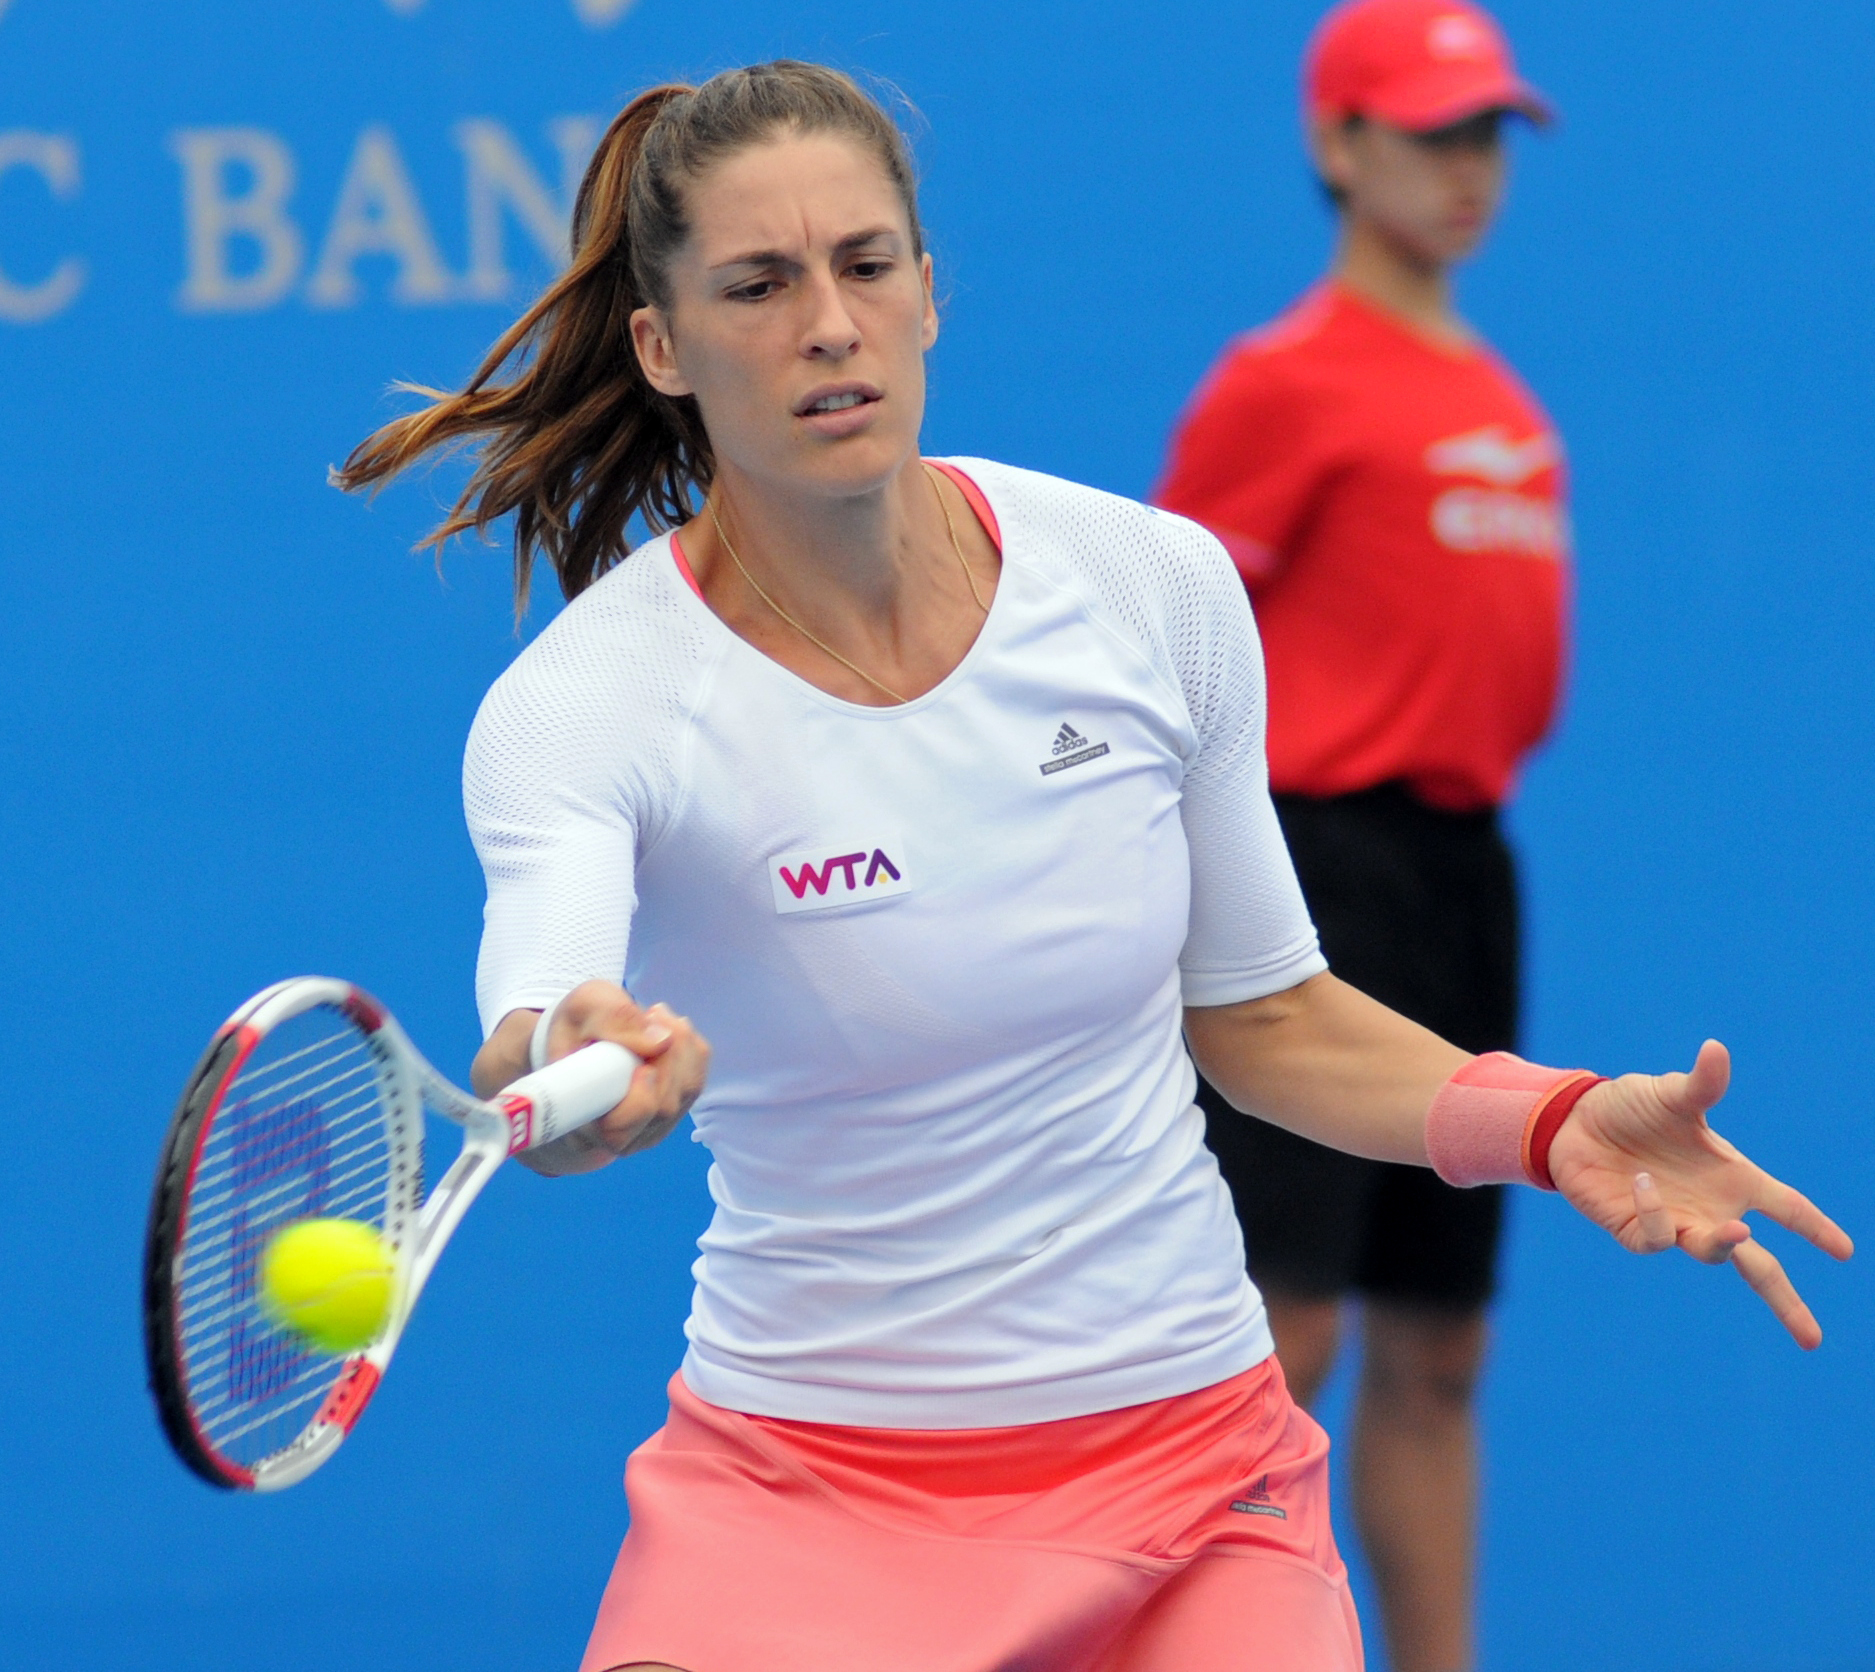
1760	1269
1796	1212
1689	1187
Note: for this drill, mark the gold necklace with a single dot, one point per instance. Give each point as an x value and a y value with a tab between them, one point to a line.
819	643
950	528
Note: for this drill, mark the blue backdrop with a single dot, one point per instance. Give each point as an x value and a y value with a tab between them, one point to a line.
238	706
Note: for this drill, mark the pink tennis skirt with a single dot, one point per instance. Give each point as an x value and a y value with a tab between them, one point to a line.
1187	1535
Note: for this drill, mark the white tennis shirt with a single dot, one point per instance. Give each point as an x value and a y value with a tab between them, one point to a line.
941	952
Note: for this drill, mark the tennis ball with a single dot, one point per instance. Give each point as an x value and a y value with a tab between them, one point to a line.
329	1281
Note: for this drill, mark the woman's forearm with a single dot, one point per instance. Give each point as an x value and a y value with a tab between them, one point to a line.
1327	1062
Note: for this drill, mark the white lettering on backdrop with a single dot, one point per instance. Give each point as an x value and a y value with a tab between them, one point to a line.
500	177
236	183
596	13
54	158
378	213
244	250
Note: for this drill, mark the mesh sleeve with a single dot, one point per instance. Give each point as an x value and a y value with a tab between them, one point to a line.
570	773
1168	587
1250	930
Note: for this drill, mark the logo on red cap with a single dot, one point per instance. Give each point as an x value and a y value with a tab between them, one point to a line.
1419	64
1458	35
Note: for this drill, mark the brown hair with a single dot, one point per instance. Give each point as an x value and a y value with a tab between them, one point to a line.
573	440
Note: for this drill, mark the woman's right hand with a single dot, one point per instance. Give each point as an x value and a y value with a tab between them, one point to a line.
674	1064
669	1078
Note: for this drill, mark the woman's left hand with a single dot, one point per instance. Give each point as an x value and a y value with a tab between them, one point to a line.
1637	1157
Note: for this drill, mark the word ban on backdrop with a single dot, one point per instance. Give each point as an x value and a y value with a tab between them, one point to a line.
596	12
246	247
250	243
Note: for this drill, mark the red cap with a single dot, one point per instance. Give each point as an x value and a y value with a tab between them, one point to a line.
1418	64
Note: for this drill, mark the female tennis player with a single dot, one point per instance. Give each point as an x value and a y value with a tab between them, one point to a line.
927	786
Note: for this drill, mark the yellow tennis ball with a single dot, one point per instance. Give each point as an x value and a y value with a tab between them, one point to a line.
329	1281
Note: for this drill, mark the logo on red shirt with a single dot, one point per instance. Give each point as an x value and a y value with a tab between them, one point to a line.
1492	456
1496	518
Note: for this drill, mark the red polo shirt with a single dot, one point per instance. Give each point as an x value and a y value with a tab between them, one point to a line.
1395	506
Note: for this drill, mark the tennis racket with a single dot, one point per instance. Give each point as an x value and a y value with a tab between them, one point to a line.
311	1103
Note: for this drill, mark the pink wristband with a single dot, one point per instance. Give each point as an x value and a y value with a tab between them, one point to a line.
1494	1120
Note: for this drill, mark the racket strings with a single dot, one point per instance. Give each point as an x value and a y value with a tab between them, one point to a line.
300	1133
228	1195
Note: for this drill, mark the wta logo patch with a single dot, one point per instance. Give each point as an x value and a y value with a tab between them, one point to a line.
839	875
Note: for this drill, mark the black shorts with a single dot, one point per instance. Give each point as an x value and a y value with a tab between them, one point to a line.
1417	908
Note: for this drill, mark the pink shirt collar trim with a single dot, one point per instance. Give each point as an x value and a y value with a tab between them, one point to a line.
973	496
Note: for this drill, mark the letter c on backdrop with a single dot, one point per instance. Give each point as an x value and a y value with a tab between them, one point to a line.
54	158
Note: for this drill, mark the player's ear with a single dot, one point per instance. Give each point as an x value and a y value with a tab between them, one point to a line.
657	352
927	273
1332	152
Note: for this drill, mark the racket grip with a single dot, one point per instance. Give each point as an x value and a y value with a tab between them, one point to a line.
566	1095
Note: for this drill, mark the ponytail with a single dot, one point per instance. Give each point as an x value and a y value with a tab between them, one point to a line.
572	439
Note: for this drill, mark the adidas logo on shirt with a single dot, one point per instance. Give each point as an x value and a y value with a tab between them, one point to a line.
1071	749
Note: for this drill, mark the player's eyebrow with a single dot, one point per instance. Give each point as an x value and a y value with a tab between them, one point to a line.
781	258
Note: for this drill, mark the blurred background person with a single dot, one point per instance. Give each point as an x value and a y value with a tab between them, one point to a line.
1393	497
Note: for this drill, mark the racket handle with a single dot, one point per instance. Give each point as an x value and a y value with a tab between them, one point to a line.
565	1095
